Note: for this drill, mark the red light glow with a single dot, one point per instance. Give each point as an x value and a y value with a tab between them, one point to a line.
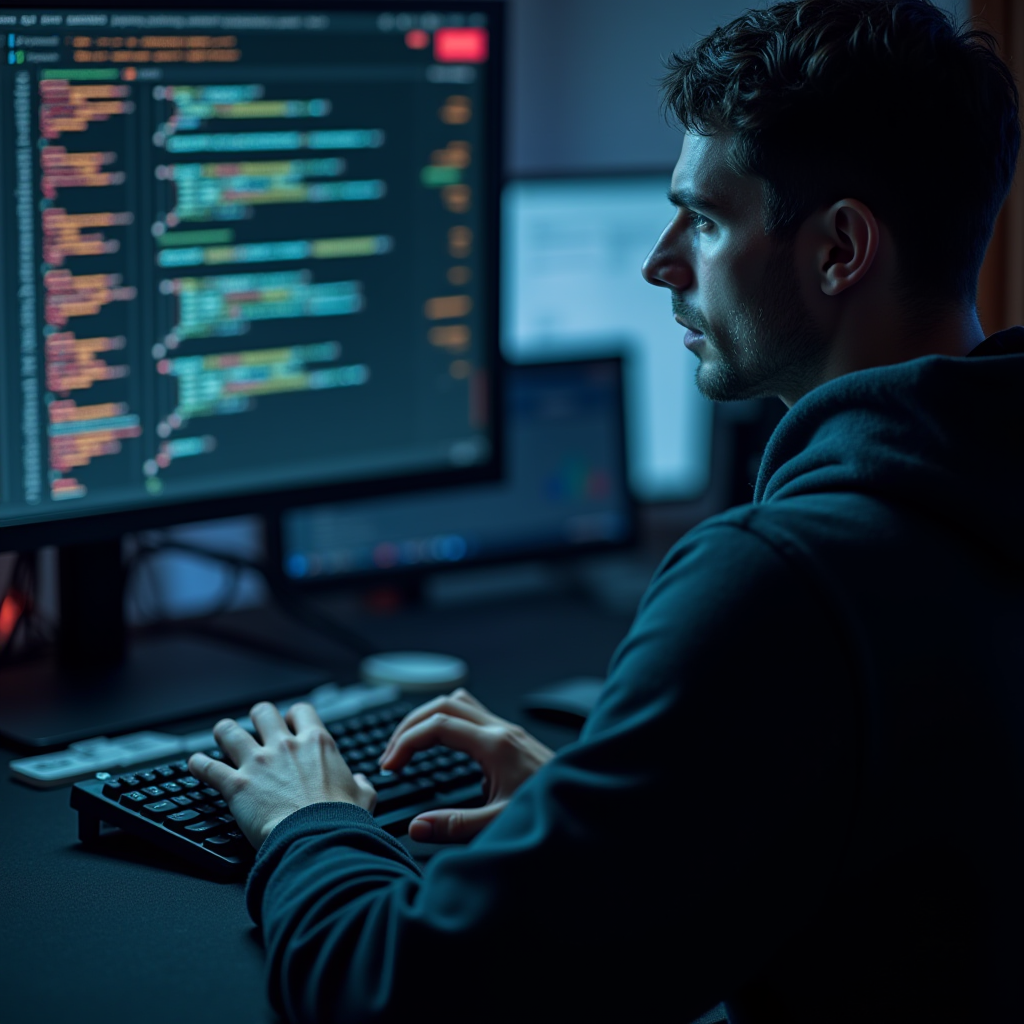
461	45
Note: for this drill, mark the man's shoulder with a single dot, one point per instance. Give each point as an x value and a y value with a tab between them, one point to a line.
794	526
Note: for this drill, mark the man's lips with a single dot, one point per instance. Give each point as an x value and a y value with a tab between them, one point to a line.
692	338
683	323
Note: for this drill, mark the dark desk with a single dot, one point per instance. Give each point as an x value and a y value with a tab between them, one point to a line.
128	935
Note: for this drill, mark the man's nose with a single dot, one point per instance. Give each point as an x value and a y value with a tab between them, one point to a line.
665	266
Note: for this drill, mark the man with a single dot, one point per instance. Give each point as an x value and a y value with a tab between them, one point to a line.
801	790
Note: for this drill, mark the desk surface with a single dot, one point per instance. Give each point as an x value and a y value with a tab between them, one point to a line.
125	934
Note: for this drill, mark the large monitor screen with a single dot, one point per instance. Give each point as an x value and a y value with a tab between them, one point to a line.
565	491
573	248
243	252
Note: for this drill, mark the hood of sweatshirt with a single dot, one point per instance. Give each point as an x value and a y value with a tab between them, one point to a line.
940	435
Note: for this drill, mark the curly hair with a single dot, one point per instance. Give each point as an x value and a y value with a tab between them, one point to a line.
887	101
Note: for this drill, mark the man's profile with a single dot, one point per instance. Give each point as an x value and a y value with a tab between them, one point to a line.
800	791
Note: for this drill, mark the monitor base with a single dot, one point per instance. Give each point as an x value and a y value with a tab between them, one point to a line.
163	678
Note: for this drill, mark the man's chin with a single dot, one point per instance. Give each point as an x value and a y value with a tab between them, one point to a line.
717	381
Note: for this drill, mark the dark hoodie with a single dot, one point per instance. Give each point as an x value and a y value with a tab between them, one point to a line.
801	791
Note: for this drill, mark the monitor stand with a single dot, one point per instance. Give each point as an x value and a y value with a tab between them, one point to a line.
99	681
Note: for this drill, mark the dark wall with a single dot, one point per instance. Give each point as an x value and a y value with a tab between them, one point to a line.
584	73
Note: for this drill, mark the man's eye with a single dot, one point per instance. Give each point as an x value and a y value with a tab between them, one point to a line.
698	220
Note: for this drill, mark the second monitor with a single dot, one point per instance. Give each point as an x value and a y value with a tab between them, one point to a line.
565	491
572	248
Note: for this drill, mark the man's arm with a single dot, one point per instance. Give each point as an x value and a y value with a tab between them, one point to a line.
644	872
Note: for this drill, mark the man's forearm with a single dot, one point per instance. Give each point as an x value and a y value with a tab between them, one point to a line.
312	890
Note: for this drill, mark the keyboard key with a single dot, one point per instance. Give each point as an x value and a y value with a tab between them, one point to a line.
206	809
180	819
130	781
384	780
152	790
149	778
199	830
182	800
404	793
461	775
158	810
134	798
189	782
165	771
172	787
225	844
180	767
113	788
210	792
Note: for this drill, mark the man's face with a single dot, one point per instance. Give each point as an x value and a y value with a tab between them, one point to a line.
730	283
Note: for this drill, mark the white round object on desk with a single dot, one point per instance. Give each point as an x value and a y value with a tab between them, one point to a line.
419	672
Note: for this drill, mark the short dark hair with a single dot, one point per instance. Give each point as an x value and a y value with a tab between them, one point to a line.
887	101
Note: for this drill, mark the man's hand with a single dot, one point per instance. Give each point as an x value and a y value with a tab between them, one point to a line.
293	763
507	753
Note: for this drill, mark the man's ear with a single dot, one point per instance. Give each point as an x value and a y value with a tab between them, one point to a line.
849	246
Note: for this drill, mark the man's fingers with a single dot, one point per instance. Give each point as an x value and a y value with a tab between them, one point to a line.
213	773
443	729
451	826
268	721
234	740
450	704
462	694
302	715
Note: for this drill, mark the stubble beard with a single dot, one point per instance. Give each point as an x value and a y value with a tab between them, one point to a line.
770	347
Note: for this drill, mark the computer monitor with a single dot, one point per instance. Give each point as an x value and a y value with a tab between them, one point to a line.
565	492
248	256
571	287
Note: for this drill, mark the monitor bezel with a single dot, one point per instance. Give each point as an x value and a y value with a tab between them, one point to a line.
91	527
406	574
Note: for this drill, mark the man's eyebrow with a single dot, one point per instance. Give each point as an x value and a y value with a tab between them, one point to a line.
691	200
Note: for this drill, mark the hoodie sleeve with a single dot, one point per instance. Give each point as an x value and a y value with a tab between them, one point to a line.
645	872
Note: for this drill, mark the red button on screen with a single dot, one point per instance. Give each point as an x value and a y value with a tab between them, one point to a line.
460	45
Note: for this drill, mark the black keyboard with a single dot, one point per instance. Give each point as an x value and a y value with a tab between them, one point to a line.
169	807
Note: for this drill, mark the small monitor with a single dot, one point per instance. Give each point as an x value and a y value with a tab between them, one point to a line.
571	288
247	251
565	491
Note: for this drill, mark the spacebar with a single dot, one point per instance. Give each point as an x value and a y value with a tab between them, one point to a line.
402	794
395	819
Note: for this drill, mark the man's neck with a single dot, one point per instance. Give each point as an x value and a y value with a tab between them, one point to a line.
862	346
